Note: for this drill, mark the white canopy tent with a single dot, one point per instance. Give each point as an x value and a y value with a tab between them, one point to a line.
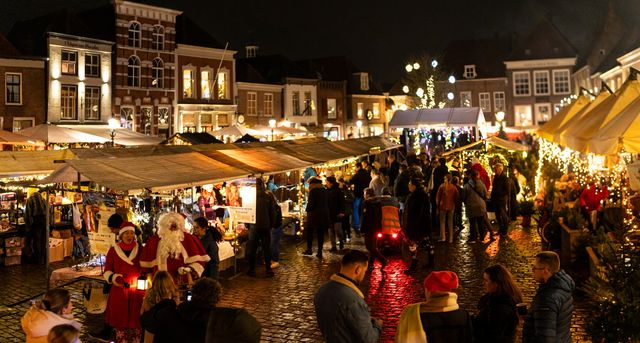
52	134
439	117
122	136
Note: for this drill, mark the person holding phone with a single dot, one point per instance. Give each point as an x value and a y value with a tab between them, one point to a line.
497	319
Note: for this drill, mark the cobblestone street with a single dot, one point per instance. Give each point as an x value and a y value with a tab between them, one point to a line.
284	304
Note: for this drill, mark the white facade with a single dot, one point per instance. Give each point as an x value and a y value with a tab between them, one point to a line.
305	109
79	80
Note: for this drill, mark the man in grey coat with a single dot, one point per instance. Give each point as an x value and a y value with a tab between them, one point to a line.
474	195
343	315
549	318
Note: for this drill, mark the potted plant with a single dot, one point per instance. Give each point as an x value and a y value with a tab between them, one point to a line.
526	210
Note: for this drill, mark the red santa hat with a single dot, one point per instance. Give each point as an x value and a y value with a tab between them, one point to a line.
441	281
126	226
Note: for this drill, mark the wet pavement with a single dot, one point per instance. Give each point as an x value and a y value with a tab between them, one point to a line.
284	304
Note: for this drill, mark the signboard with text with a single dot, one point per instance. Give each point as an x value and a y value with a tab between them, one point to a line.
241	198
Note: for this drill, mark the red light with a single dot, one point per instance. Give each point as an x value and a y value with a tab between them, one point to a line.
379	235
395	235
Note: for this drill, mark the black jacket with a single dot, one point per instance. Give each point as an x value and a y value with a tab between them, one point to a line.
401	186
393	171
549	318
211	247
265	210
318	208
438	177
360	181
230	325
447	327
371	217
162	320
416	221
335	200
501	188
497	319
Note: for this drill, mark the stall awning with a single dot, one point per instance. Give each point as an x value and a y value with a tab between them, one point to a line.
499	142
23	163
436	117
52	134
549	128
158	172
621	133
10	138
123	136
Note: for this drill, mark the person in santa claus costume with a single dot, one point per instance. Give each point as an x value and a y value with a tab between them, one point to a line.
174	250
122	270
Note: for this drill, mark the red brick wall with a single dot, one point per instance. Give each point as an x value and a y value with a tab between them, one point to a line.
33	96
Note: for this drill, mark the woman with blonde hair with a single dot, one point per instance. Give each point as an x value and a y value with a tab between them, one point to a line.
54	309
163	292
497	318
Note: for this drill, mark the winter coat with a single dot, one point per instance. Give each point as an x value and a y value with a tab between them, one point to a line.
438	177
232	325
186	322
416	220
124	303
447	197
377	185
37	322
497	319
473	196
360	181
265	210
342	313
371	217
393	171
335	201
484	177
401	186
438	320
501	189
318	208
549	317
211	247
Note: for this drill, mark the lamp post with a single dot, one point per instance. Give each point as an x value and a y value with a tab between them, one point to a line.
500	119
359	126
272	125
113	125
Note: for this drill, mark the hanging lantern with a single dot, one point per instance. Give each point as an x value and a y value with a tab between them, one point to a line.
142	283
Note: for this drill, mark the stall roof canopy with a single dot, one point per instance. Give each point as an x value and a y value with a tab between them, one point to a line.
549	128
169	167
22	163
52	134
123	136
499	142
453	116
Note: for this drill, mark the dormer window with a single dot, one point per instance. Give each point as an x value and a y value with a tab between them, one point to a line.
470	71
364	81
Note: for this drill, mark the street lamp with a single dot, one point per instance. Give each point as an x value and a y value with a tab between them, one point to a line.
113	125
359	126
272	125
500	119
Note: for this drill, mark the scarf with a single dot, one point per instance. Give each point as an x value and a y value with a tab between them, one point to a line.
410	326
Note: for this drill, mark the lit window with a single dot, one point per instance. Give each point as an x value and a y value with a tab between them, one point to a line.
485	101
376	111
92	65
307	103
360	110
223	85
295	103
252	103
521	83
126	114
268	104
543	113
92	103
69	61
133	72
188	83
205	84
364	81
523	115
163	118
465	99
541	82
206	122
561	84
158	38
20	123
331	109
68	102
13	85
499	101
470	71
146	115
134	34
157	73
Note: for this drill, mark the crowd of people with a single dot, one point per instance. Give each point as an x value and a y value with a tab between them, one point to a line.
344	316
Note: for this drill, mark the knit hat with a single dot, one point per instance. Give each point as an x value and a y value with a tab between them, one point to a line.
441	281
126	226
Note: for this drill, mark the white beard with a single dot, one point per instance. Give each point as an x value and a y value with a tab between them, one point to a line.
170	245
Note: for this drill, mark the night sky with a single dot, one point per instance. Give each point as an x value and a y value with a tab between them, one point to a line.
378	36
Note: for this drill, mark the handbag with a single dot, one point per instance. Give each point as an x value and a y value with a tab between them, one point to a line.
95	299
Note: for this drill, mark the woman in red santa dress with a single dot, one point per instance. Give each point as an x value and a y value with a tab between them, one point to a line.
122	270
174	250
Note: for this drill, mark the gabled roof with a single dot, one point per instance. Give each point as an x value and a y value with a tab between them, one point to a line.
188	32
276	68
486	54
30	36
6	48
545	41
340	68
